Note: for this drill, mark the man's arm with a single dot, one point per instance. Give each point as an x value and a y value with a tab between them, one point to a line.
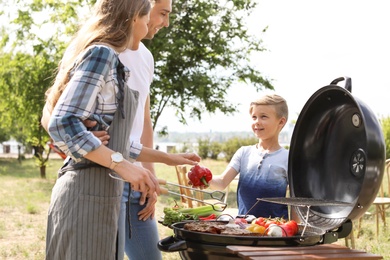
147	133
147	140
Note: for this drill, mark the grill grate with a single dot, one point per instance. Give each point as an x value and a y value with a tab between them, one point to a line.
305	202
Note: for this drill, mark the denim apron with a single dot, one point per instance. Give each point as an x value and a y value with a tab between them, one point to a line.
84	211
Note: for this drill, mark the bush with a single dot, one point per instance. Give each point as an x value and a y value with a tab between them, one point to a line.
215	150
233	144
204	147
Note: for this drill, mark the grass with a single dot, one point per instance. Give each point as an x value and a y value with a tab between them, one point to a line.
25	199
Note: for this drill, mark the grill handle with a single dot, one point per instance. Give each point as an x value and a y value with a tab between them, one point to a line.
170	244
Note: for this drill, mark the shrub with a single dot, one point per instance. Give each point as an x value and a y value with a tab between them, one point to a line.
233	144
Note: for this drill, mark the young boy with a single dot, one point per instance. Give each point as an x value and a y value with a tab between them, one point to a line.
263	166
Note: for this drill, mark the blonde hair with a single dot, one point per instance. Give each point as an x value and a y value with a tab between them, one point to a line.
110	24
272	100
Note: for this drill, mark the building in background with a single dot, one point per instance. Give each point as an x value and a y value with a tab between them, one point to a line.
11	147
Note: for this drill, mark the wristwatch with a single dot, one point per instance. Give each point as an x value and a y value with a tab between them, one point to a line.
116	158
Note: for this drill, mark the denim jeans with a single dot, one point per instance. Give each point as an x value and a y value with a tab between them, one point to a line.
144	234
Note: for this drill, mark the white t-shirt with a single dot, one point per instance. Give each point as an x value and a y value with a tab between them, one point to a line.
141	65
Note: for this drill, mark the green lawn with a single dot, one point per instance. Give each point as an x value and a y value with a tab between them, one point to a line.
25	199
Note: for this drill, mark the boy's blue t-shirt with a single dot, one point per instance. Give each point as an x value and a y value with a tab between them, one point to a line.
261	176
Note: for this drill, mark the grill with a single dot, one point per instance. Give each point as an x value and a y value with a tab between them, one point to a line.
336	165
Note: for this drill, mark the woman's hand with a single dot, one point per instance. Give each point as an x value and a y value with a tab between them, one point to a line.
140	179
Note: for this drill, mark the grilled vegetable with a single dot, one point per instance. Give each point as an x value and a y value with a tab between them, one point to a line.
291	228
173	215
275	231
211	217
277	226
255	228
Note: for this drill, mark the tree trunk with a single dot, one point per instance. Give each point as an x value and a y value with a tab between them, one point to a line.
19	154
43	171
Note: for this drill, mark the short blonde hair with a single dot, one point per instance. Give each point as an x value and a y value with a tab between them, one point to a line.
272	100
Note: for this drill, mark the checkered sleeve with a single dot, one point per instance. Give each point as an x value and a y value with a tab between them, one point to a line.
91	77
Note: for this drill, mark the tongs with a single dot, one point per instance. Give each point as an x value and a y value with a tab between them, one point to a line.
218	195
166	191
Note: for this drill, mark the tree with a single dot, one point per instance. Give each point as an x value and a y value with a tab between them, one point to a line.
28	63
23	83
201	55
4	133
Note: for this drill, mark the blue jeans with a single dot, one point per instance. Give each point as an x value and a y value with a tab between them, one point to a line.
144	234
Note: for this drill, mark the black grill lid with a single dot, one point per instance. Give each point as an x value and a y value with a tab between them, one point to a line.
337	153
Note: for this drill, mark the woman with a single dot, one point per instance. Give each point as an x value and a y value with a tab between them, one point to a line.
91	84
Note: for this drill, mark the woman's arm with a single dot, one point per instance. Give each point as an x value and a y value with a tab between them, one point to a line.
141	179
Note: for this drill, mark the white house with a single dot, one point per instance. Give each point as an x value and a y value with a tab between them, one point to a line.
11	147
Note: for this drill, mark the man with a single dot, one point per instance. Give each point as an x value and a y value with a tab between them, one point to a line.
138	233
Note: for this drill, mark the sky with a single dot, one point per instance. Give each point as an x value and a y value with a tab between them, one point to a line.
310	43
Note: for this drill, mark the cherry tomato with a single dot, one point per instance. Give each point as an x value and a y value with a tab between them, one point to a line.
260	221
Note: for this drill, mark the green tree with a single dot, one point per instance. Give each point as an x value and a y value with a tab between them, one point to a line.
23	83
204	147
4	134
28	62
215	150
201	55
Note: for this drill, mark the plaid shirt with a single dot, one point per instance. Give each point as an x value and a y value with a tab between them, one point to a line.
90	94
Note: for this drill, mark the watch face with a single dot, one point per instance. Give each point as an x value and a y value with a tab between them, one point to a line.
117	157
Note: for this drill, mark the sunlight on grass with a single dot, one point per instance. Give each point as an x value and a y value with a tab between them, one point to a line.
2	230
32	209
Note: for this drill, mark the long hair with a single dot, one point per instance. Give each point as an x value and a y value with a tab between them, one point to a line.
110	24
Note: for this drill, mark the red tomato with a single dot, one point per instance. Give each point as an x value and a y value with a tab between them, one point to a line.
291	228
260	221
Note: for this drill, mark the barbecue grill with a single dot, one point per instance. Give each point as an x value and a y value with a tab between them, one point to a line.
336	166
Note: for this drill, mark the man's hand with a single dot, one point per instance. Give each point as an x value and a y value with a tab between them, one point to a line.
149	210
183	158
102	135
